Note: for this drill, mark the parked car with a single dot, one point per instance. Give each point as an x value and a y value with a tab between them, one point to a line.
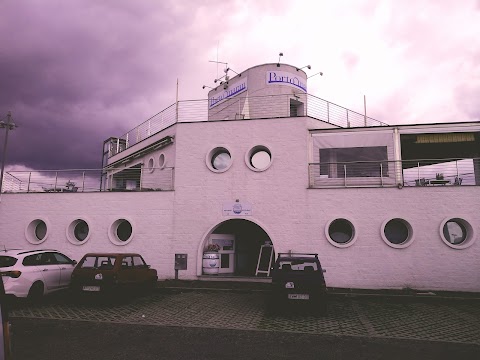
297	279
110	273
34	273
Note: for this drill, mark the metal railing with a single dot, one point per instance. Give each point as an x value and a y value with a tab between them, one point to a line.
253	107
89	180
423	172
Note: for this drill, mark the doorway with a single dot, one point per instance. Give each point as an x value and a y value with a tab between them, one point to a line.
240	242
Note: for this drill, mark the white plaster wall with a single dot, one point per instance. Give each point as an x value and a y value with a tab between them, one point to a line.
294	216
151	217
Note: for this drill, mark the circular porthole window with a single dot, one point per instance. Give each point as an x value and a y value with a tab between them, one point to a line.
340	233
457	233
397	233
258	158
161	161
78	232
121	232
37	231
219	159
151	164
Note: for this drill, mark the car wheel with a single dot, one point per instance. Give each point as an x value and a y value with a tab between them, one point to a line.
36	291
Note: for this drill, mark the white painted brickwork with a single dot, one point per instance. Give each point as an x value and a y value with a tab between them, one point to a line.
165	223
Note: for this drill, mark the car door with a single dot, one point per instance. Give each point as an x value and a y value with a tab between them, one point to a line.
66	268
126	274
50	270
142	271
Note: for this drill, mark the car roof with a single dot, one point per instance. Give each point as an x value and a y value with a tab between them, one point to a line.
111	254
16	252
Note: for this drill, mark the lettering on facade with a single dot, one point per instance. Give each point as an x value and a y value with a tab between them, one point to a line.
232	90
285	78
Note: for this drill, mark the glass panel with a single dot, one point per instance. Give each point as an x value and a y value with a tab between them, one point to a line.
396	231
124	230
341	231
358	162
221	160
454	232
225	261
40	230
81	230
260	160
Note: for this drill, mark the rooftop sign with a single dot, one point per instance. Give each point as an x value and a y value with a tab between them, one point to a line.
225	94
286	78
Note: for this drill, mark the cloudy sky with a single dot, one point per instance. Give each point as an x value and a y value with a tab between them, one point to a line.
74	73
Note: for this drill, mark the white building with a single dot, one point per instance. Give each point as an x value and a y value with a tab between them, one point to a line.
263	162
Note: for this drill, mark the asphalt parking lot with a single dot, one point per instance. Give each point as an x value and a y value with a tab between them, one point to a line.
447	321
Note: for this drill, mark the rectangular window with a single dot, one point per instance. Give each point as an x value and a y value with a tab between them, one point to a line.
354	162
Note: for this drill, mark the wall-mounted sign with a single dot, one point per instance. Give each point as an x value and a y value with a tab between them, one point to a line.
237	209
223	93
286	78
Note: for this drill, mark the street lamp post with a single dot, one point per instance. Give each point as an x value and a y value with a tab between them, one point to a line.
8	125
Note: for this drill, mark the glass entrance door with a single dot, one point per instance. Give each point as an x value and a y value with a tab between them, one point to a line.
226	242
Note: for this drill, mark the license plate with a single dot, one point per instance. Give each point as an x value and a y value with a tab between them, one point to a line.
298	296
91	288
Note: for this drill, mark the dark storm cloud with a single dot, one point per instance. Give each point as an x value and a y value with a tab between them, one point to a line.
75	73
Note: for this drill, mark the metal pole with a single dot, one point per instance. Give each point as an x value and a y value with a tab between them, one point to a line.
365	110
8	126
83	182
29	177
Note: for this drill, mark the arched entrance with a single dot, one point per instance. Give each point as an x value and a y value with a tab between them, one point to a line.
240	242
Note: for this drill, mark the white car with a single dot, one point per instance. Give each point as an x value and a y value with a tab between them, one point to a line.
34	273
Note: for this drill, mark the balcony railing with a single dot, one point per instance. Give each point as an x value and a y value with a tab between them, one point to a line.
253	107
425	172
90	180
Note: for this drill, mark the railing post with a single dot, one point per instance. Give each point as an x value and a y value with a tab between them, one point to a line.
149	128
328	112
348	122
118	145
456	165
381	173
141	177
83	181
126	141
418	170
56	178
345	174
29	177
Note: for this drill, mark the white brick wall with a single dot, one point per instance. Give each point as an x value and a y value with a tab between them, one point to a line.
294	216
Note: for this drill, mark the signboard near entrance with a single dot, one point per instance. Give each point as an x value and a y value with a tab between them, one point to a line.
237	209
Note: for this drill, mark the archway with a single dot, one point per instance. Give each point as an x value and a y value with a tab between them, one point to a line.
240	242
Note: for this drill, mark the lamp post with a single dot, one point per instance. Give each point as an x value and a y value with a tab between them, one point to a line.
8	125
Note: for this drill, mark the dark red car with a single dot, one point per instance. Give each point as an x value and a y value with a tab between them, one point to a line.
112	273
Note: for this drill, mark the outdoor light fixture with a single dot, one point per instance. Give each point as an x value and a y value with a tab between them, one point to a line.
279	57
319	73
308	67
205	86
230	69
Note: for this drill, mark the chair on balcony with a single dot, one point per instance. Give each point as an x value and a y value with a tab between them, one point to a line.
421	182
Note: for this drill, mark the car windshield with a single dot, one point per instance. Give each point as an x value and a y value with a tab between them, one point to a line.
297	265
7	261
98	262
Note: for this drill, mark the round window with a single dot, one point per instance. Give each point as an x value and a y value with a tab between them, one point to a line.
78	232
151	164
219	159
124	230
340	233
259	158
397	233
457	233
121	232
36	231
161	161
